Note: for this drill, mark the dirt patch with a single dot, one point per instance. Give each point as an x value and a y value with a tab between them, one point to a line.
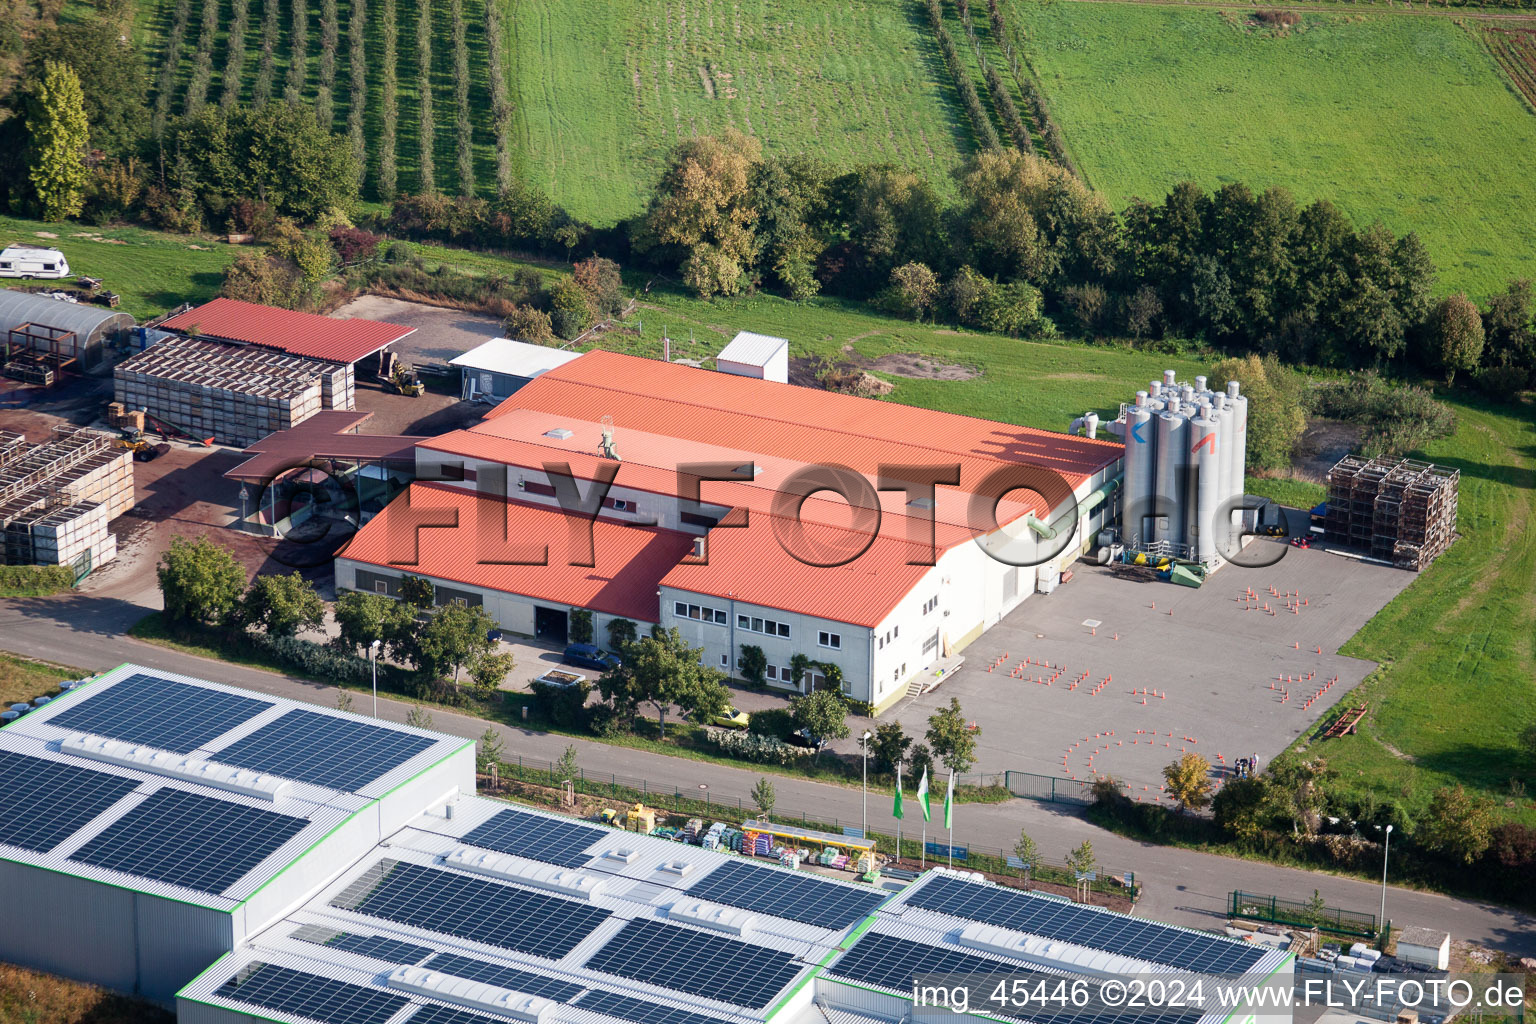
1323	443
920	367
429	415
843	376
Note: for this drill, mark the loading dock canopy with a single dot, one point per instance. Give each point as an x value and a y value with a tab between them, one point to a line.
325	435
301	334
513	358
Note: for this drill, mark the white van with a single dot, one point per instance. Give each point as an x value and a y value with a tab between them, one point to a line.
24	261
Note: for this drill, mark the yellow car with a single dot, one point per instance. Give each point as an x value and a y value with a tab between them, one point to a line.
731	719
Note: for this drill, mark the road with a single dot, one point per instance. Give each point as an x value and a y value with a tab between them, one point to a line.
1180	887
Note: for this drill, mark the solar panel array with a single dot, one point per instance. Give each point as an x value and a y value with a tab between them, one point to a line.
702	965
537	838
324	750
376	946
309	995
46	802
503	977
434	1014
190	840
471	908
893	963
641	1011
1113	933
158	713
802	898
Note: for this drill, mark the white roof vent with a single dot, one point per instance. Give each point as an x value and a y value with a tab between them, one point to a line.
177	766
424	981
559	433
527	872
1024	946
921	503
676	867
712	915
623	855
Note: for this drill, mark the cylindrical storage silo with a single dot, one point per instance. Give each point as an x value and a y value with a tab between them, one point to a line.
1170	378
1139	459
1237	451
1199	384
1224	431
1203	442
1155	389
1165	491
1187	395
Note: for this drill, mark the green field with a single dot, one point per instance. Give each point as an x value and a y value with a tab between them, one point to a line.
1398	118
603	90
151	270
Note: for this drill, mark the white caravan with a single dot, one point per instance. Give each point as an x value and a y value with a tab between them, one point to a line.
24	261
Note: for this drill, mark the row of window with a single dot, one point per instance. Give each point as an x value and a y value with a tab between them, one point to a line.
548	491
890	634
753	624
930	604
683	610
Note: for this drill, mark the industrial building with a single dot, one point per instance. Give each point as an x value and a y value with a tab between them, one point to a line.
888	581
57	497
1399	511
155	822
253	858
495	370
45	336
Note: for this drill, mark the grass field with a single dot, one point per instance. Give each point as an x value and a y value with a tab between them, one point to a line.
21	679
31	997
1403	119
152	271
603	90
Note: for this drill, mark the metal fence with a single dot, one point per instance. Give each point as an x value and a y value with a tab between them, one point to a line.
699	800
1259	907
1048	788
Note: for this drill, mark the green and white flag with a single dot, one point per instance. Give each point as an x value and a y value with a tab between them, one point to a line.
897	812
949	803
922	796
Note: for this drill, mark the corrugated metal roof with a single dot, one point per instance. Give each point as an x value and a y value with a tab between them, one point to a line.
752	349
18	307
515	358
303	334
325	435
629	559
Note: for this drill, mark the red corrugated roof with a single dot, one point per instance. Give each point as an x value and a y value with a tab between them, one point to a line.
328	434
287	330
629	560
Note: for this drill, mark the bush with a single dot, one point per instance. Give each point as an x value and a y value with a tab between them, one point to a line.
1398	420
570	311
605	720
560	705
774	722
751	746
1503	383
28	580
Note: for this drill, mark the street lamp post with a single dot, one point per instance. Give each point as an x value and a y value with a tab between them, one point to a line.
864	749
373	661
704	789
1385	847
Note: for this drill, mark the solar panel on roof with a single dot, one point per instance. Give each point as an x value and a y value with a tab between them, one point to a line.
160	713
47	801
894	964
434	1014
536	837
471	908
309	995
803	898
699	964
1113	933
526	982
376	946
641	1011
190	840
324	750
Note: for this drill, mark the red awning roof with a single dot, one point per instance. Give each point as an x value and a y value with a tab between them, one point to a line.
325	435
628	560
287	330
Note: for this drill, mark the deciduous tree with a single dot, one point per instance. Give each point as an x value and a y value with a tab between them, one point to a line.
823	714
763	797
701	208
57	133
1458	334
200	581
282	604
1458	824
1189	781
455	636
953	742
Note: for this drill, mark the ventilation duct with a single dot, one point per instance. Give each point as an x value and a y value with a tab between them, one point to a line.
423	981
705	914
525	872
177	766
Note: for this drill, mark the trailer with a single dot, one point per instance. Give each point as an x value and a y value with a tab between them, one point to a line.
26	261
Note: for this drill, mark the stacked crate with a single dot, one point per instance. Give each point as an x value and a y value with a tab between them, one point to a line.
57	498
1428	519
63	534
105	478
234	394
1402	511
336	387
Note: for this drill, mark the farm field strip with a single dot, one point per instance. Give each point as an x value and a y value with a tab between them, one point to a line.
1514	49
1403	120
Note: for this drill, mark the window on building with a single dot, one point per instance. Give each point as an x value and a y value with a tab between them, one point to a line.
880	646
725	661
378	583
380	587
697	519
847	685
770	627
772	673
471	474
684	610
787	674
619	504
534	487
896	631
832	640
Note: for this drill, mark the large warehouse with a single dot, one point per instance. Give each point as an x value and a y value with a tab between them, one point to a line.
256	859
709	525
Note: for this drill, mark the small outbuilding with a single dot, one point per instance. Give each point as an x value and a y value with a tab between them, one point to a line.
40	323
1426	947
755	355
495	370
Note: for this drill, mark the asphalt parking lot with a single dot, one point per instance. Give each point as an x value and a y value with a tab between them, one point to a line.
1204	670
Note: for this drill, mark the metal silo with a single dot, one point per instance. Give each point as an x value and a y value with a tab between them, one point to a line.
1224	431
1168	455
1204	445
1237	451
1140	443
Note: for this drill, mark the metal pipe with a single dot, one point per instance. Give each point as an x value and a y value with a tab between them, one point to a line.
1088	504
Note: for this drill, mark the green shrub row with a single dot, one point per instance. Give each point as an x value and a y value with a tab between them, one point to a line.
501	106
426	122
234	56
266	68
29	580
986	135
390	112
357	83
751	746
330	35
165	83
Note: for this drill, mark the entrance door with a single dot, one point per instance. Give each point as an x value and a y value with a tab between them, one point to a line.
551	624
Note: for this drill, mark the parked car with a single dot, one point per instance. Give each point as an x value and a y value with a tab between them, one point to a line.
26	261
803	738
590	656
731	719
